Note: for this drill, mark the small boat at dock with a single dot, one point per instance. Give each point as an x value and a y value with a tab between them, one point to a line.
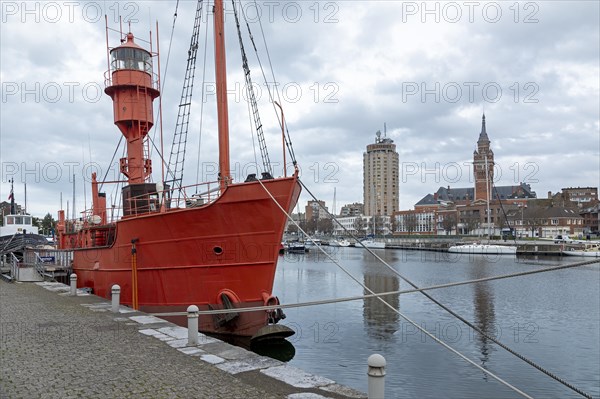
339	243
484	249
370	243
588	251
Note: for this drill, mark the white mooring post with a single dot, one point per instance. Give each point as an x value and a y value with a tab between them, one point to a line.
73	291
192	314
115	298
376	375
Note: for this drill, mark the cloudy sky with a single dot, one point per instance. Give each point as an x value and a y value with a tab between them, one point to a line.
344	69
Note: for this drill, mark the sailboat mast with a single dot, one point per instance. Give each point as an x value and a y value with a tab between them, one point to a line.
487	187
222	109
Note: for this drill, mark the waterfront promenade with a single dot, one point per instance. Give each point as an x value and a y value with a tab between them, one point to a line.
56	346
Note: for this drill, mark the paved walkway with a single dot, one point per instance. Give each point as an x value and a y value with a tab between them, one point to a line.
56	346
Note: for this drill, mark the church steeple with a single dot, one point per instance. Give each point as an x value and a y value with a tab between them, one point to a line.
483	135
483	165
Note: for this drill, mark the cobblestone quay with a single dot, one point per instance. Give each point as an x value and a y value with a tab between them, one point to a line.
56	346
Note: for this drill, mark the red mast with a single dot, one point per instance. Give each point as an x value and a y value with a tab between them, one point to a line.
131	88
222	109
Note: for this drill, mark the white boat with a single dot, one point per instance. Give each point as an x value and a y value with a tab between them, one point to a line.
18	224
485	249
339	243
372	244
15	223
590	250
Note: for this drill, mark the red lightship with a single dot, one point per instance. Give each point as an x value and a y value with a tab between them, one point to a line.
218	250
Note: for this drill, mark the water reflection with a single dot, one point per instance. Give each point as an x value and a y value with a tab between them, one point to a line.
380	321
280	349
483	301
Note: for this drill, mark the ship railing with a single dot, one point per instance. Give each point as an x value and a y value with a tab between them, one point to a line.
14	266
39	266
154	78
54	263
192	196
195	195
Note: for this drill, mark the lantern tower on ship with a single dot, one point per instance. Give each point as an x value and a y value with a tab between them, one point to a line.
131	84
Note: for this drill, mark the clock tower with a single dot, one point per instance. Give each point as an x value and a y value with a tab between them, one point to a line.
483	166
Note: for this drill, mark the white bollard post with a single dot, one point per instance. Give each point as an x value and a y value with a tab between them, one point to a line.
73	291
192	325
116	298
376	375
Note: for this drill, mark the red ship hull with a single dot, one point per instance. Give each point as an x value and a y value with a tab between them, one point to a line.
225	251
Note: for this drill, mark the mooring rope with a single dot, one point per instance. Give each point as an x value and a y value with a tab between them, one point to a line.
405	317
475	328
381	294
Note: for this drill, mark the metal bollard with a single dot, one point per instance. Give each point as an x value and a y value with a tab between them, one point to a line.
73	291
376	377
116	298
192	325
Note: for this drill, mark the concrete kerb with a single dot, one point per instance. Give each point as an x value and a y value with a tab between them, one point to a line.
250	367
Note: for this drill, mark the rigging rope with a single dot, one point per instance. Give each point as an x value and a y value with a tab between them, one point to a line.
405	317
201	107
504	213
475	328
416	289
111	162
178	148
252	97
288	140
164	81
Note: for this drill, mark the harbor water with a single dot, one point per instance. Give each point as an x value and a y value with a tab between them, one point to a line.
551	318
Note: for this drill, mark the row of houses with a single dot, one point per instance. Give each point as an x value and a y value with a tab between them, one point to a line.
448	211
532	220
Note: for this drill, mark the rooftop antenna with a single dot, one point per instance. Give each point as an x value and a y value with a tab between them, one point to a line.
384	130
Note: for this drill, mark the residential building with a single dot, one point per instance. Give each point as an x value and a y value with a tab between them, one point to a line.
380	177
591	219
363	228
5	209
316	210
577	196
422	222
546	221
354	209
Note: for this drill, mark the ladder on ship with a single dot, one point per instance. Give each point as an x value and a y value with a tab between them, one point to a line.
174	177
267	171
